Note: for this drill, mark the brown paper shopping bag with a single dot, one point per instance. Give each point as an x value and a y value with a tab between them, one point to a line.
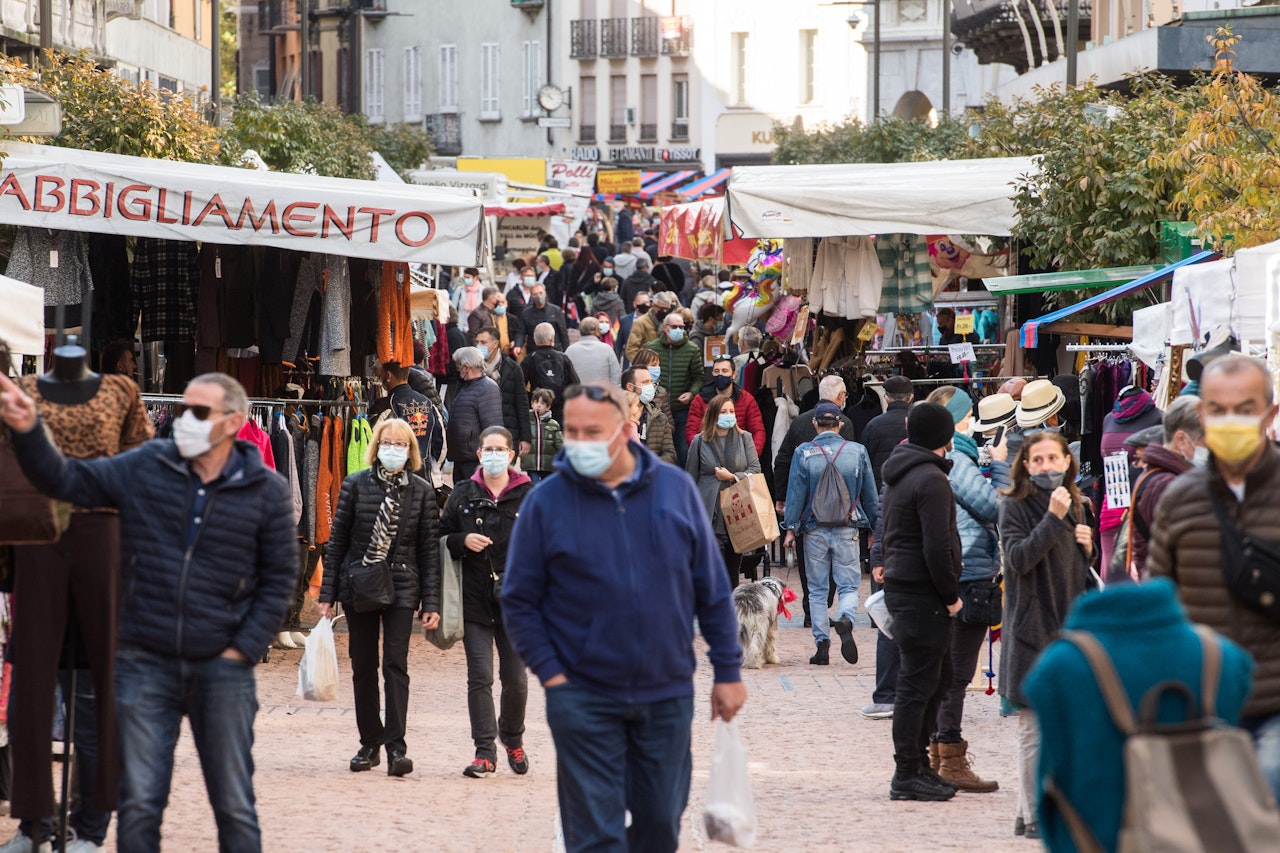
748	513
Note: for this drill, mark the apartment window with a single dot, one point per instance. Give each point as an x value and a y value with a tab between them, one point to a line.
412	84
587	116
618	108
533	78
648	107
373	101
808	66
740	46
680	106
448	78
262	81
489	108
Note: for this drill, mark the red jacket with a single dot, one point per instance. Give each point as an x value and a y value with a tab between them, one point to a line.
744	405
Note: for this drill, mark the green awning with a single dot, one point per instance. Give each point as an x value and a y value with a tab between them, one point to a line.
1073	280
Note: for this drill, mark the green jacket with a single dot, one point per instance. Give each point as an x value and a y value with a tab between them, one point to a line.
546	442
681	369
657	435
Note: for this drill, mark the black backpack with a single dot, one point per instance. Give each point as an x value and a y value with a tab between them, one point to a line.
832	506
550	371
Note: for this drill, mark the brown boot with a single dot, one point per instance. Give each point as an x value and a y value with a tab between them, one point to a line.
955	769
935	760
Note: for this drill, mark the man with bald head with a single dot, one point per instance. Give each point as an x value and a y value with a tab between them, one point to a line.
1196	535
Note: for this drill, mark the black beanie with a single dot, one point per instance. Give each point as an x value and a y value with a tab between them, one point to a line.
930	426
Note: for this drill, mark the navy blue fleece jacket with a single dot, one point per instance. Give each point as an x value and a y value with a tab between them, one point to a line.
603	584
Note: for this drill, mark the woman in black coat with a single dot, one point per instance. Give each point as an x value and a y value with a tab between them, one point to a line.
387	516
477	524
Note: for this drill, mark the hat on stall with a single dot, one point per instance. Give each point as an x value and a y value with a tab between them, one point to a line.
898	386
1143	437
997	410
930	426
1040	401
826	413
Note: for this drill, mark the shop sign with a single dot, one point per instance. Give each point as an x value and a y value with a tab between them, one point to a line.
589	153
619	181
576	177
521	235
632	154
681	154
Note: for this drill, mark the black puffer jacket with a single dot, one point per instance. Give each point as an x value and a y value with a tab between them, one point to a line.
515	399
415	554
883	434
476	406
922	552
470	509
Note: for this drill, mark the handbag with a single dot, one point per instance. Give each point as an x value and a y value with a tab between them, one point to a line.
983	602
27	517
372	587
1250	565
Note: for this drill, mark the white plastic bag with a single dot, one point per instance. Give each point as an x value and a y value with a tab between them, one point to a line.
318	671
879	611
730	812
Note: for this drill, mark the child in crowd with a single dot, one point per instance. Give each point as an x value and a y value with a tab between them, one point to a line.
547	438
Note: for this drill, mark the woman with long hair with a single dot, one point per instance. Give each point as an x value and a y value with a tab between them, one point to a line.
387	518
719	456
1048	549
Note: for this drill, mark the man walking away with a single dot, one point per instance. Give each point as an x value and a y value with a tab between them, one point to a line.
922	561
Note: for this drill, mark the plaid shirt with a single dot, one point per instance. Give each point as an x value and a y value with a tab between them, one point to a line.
908	282
163	283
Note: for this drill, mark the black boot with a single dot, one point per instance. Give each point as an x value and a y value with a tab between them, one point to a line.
399	764
822	657
918	787
366	758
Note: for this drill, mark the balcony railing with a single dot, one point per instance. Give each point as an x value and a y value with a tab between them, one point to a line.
583	43
617	133
680	129
587	133
644	36
648	133
613	38
446	133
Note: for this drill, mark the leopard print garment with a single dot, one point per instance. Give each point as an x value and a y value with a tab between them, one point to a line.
113	421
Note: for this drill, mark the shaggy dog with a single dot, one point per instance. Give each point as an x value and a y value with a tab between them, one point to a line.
758	605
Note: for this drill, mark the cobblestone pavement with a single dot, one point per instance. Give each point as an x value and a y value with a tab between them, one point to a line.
820	771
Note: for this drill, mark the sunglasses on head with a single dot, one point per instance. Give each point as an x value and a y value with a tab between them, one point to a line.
202	413
595	393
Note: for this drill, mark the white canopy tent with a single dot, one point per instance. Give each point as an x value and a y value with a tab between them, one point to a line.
22	320
69	189
938	197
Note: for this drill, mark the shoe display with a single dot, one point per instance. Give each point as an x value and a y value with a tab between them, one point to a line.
876	711
299	639
480	768
957	770
822	656
848	648
399	764
284	641
366	758
919	787
518	760
22	844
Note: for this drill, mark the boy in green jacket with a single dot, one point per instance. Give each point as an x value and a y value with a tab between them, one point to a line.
547	437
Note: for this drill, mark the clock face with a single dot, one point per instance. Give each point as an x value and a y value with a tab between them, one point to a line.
550	98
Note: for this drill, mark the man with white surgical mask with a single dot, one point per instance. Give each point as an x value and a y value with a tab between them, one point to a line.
210	557
1198	531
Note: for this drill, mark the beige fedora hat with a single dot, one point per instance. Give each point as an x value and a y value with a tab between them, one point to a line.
994	411
1040	401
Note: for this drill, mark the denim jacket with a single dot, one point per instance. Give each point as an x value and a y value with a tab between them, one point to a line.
807	466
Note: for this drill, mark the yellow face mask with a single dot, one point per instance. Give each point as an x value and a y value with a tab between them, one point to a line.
1233	438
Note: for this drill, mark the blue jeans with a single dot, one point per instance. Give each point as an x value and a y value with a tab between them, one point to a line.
219	696
1266	739
612	757
831	556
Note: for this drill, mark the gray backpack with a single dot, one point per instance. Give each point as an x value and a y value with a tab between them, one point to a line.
831	506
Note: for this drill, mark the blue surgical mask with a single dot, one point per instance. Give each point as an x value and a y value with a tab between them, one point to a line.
590	458
494	462
647	392
393	458
608	271
1200	458
500	310
655	372
727	421
484	351
675	335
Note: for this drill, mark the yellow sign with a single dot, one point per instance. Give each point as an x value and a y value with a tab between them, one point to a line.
964	324
868	330
525	170
618	181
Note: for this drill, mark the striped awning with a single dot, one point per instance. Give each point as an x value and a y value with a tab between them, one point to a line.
669	181
705	184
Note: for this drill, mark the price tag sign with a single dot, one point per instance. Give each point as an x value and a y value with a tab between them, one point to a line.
868	331
1116	470
802	325
960	353
964	324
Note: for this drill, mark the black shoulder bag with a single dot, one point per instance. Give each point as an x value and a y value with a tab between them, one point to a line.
1250	565
983	599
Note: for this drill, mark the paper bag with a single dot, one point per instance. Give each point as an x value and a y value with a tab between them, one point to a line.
748	513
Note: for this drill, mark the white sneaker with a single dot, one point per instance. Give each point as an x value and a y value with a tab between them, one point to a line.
877	712
22	844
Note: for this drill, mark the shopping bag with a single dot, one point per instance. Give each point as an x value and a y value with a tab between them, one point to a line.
450	628
879	613
318	671
730	812
748	513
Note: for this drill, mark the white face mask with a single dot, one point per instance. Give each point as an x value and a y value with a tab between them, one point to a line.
191	435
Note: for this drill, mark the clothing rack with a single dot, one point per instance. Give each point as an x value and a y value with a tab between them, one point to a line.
257	401
961	381
941	348
1099	347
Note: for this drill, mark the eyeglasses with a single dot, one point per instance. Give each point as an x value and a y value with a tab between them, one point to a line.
595	393
398	445
202	413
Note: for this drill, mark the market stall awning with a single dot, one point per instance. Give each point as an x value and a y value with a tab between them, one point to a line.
1030	334
1041	282
65	188
649	191
705	185
551	208
940	197
695	231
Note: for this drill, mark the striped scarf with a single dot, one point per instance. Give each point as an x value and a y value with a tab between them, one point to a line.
388	521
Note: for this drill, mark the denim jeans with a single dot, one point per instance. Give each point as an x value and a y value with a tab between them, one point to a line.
804	580
831	557
612	757
1266	739
922	630
479	639
219	697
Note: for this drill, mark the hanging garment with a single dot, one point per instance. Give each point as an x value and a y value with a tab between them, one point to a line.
797	264
847	279
109	269
57	262
254	434
277	280
335	334
308	296
395	330
361	436
229	274
325	505
908	281
162	289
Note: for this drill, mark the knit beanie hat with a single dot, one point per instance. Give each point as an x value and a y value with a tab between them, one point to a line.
930	426
960	405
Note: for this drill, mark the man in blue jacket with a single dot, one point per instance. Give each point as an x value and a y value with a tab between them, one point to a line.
210	557
610	635
831	550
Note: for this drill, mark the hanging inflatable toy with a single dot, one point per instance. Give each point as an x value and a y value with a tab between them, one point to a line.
750	301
